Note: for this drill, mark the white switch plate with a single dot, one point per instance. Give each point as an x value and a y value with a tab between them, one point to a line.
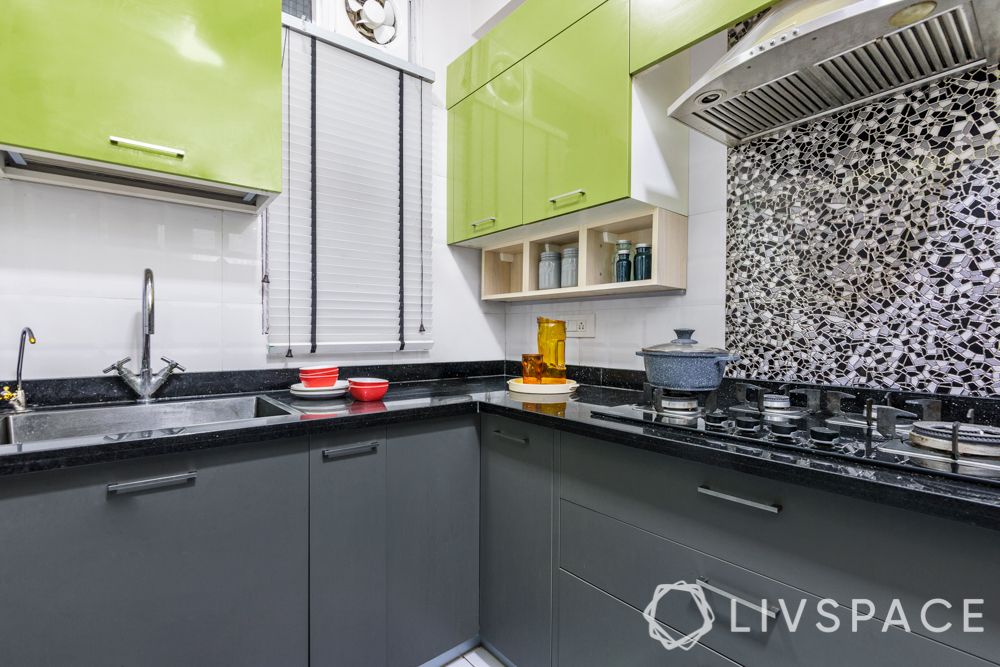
581	326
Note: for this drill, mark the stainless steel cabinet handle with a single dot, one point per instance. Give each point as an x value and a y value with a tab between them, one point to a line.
512	438
182	479
355	450
770	612
773	509
485	222
144	146
572	193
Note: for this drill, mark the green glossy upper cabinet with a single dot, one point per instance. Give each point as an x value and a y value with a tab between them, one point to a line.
485	138
661	28
528	27
577	116
182	87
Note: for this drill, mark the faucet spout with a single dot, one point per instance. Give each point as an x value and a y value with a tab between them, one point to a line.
145	383
148	321
17	397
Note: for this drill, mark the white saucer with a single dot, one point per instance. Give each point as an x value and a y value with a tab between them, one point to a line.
517	385
302	391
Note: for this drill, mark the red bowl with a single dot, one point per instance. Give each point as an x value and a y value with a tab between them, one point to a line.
318	371
367	393
368	382
318	382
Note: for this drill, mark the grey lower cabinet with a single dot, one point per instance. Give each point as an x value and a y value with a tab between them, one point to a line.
347	549
518	495
432	557
190	559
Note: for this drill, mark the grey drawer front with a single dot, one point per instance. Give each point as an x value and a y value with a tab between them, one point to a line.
596	630
629	563
516	540
823	543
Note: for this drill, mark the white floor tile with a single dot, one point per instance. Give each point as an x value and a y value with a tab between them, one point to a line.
480	657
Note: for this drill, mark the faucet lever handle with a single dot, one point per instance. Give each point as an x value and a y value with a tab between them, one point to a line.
173	364
117	366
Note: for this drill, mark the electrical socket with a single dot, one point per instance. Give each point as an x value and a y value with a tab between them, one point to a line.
582	325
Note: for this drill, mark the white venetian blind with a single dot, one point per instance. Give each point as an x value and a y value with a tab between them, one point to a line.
367	223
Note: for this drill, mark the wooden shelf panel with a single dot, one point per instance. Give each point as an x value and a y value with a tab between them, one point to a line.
510	271
631	287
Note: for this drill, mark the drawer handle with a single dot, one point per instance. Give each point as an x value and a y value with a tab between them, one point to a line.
770	612
485	222
182	479
512	438
356	450
772	509
566	195
149	148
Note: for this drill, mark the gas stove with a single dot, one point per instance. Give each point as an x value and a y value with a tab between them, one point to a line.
910	436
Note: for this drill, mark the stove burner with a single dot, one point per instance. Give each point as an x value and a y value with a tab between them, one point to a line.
777	402
678	403
823	437
970	439
746	424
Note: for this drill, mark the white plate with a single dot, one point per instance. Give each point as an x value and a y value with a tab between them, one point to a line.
302	389
333	393
517	385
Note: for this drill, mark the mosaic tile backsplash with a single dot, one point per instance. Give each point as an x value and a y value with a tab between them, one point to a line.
864	248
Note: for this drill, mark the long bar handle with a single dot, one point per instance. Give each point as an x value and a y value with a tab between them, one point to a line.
148	147
355	450
770	612
485	222
772	509
182	479
512	438
571	193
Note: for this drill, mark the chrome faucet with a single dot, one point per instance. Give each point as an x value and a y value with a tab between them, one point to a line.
145	383
17	398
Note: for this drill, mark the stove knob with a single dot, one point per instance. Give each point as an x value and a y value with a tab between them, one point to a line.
717	418
784	428
746	423
823	436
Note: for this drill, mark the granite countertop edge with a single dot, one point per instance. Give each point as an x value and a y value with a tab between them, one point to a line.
966	502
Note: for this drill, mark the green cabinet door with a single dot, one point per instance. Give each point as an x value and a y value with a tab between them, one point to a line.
190	87
661	28
485	154
577	116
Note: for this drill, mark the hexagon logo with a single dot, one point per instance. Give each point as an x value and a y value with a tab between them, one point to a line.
659	633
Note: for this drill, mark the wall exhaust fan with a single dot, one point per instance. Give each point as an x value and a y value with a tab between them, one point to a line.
383	24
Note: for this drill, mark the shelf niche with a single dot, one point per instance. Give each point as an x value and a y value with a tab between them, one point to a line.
510	271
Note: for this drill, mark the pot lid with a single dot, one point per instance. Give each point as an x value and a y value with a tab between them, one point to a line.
685	344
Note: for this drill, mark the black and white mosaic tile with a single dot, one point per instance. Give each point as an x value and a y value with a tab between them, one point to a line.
864	248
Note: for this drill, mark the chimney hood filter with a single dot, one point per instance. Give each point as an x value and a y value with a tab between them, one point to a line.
810	58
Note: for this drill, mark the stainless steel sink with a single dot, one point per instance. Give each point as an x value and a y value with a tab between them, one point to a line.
121	422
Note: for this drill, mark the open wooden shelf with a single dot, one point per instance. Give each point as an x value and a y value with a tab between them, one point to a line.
510	271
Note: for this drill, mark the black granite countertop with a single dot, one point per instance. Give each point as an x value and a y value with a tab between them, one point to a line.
970	502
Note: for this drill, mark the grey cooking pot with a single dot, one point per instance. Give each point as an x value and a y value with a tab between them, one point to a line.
684	365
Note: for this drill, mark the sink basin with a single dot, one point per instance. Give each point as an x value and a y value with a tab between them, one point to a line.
119	422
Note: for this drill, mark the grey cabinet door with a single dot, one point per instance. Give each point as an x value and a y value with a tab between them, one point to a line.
433	538
210	570
517	535
347	543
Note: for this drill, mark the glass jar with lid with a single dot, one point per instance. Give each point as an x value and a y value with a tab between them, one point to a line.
570	264
549	270
642	266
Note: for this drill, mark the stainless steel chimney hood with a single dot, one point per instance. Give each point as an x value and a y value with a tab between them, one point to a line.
809	58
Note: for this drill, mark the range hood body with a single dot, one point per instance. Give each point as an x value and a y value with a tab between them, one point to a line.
810	58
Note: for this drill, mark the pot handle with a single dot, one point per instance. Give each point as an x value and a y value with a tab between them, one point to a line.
722	361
